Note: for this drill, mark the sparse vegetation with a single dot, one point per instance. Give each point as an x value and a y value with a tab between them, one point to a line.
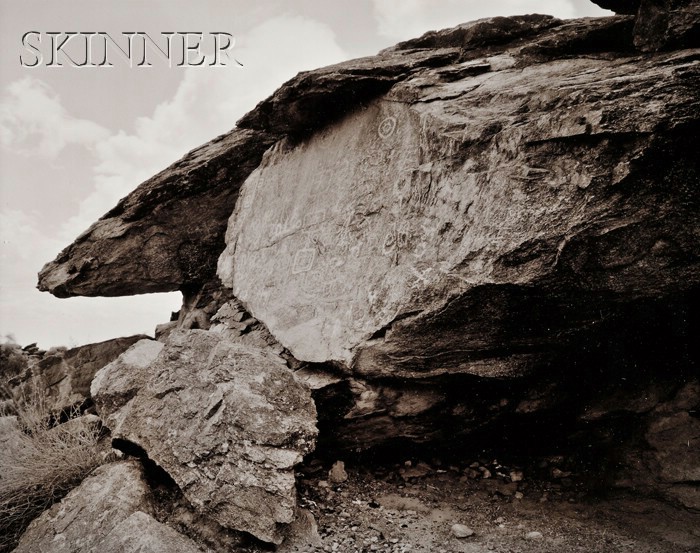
12	360
41	462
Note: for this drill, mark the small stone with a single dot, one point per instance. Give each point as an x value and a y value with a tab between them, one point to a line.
533	536
485	473
337	474
519	495
516	475
461	531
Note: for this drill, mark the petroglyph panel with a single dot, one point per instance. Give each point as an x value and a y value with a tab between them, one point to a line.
384	214
351	227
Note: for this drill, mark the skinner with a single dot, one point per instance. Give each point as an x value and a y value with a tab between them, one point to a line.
100	49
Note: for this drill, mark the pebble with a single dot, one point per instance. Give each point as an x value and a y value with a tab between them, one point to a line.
533	536
519	495
473	474
461	531
516	475
337	474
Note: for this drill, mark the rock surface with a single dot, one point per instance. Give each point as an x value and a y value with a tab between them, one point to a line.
150	242
10	433
143	534
487	233
667	24
90	512
418	232
64	377
228	422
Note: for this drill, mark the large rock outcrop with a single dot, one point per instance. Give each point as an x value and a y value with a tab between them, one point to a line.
228	422
415	235
493	226
63	377
660	24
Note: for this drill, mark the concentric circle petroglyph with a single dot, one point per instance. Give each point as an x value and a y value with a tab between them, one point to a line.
387	127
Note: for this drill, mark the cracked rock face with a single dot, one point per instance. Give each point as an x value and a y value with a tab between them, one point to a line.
150	242
141	532
104	501
64	377
414	236
228	422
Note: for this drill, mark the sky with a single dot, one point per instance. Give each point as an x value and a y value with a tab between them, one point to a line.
73	141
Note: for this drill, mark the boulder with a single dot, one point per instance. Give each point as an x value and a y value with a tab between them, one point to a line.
88	514
414	236
486	231
667	25
150	241
227	421
63	377
10	433
141	532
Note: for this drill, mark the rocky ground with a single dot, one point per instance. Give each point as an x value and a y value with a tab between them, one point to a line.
475	507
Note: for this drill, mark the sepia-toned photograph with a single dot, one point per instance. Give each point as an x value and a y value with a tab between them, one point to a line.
349	276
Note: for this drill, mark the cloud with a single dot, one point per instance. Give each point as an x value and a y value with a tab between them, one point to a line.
34	122
31	316
206	103
404	19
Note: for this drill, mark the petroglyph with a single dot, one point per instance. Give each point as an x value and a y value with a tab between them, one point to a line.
387	127
361	212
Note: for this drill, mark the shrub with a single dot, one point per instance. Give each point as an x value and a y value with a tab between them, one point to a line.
41	462
12	360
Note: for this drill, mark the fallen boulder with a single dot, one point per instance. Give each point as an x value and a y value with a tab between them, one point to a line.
228	422
88	514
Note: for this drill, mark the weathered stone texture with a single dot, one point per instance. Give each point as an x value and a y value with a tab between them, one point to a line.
63	378
79	522
489	223
414	235
143	534
150	241
228	422
667	24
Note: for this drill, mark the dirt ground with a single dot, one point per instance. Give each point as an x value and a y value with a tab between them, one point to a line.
413	507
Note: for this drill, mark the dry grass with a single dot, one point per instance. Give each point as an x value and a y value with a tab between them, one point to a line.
41	463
